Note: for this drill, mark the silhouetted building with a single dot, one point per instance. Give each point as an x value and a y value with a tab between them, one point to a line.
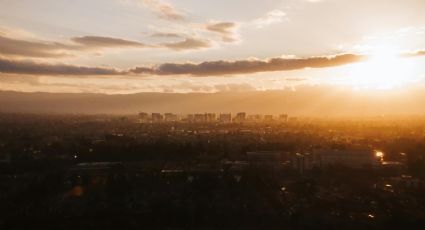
143	117
283	117
254	118
293	119
210	117
200	118
348	158
157	117
190	118
240	117
302	162
268	118
225	118
170	117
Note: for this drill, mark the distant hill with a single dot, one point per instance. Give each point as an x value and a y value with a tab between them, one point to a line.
315	101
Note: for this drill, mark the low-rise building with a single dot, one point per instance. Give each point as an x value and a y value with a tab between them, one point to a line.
349	158
302	162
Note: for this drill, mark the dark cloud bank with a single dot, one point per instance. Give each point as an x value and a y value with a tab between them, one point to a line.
33	68
214	68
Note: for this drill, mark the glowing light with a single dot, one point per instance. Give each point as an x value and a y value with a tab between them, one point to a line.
384	69
379	154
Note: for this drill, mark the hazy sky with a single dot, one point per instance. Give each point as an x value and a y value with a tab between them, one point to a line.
130	46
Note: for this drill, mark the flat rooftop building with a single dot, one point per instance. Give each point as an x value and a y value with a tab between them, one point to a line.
349	158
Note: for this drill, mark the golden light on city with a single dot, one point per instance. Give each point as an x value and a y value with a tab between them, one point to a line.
379	154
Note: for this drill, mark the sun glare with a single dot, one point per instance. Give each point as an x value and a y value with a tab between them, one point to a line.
384	69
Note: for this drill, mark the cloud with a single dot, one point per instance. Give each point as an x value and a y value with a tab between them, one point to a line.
221	27
211	68
105	42
23	48
295	79
420	53
14	47
165	35
217	68
187	44
413	54
164	10
271	17
242	87
33	68
225	29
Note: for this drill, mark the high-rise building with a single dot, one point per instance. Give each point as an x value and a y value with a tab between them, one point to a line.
190	118
352	159
210	117
225	117
200	118
157	117
292	119
143	117
170	117
268	118
254	118
283	117
240	117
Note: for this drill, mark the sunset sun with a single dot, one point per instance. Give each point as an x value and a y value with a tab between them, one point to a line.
383	69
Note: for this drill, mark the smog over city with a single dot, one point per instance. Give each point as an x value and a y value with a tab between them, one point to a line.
188	114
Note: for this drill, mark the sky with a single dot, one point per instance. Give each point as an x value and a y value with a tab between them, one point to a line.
192	46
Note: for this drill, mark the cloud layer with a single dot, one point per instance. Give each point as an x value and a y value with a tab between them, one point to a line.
217	68
188	44
164	10
18	47
13	47
33	68
211	68
225	29
45	49
105	42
